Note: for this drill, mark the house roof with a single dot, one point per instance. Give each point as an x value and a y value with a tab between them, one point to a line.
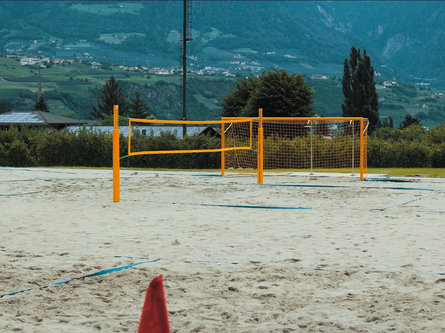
35	118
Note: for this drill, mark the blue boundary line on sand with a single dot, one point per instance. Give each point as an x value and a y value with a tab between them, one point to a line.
116	269
35	179
19	194
345	186
383	271
408	202
189	261
432	211
391	180
254	207
102	272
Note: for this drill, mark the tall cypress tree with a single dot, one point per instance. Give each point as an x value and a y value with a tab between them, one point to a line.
347	90
361	98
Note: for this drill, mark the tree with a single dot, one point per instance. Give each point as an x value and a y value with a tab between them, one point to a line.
5	106
278	93
360	95
41	105
235	101
138	107
408	121
110	95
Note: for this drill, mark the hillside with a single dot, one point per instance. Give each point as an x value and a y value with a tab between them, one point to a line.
404	39
71	89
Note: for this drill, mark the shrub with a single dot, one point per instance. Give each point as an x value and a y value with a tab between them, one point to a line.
21	147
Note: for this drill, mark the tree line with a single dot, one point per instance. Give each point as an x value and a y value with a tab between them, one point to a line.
24	147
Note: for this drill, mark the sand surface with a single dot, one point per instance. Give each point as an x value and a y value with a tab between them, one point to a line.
360	256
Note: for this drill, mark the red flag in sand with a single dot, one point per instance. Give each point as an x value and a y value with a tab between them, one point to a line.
154	317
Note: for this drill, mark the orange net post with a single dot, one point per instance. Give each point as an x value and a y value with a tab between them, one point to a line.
260	148
223	156
116	161
301	144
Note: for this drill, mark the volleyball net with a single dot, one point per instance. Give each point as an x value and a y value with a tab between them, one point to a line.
259	143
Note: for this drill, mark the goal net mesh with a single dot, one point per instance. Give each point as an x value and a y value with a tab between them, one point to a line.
299	144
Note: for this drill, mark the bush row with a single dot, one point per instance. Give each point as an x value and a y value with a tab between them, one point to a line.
22	147
28	147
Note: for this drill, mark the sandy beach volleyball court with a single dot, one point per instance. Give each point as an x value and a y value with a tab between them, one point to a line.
309	254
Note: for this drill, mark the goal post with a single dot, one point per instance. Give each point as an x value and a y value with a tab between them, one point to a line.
312	144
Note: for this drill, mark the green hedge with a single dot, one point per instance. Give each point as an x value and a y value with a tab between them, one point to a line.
410	147
30	147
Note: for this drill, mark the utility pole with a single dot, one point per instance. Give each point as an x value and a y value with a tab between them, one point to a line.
39	87
186	37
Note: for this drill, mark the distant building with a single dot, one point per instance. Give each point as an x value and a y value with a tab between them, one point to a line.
387	84
36	119
319	77
30	61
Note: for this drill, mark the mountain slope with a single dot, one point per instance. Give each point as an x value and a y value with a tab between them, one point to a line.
406	38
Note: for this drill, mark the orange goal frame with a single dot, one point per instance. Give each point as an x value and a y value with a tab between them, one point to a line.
260	149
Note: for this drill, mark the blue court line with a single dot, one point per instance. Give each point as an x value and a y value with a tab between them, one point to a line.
410	201
432	211
37	169
185	260
102	272
18	194
303	185
256	207
364	271
383	271
391	180
18	180
116	269
344	186
35	179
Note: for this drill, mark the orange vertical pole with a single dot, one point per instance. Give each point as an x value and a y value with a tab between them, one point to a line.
116	160
223	156
362	149
260	148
